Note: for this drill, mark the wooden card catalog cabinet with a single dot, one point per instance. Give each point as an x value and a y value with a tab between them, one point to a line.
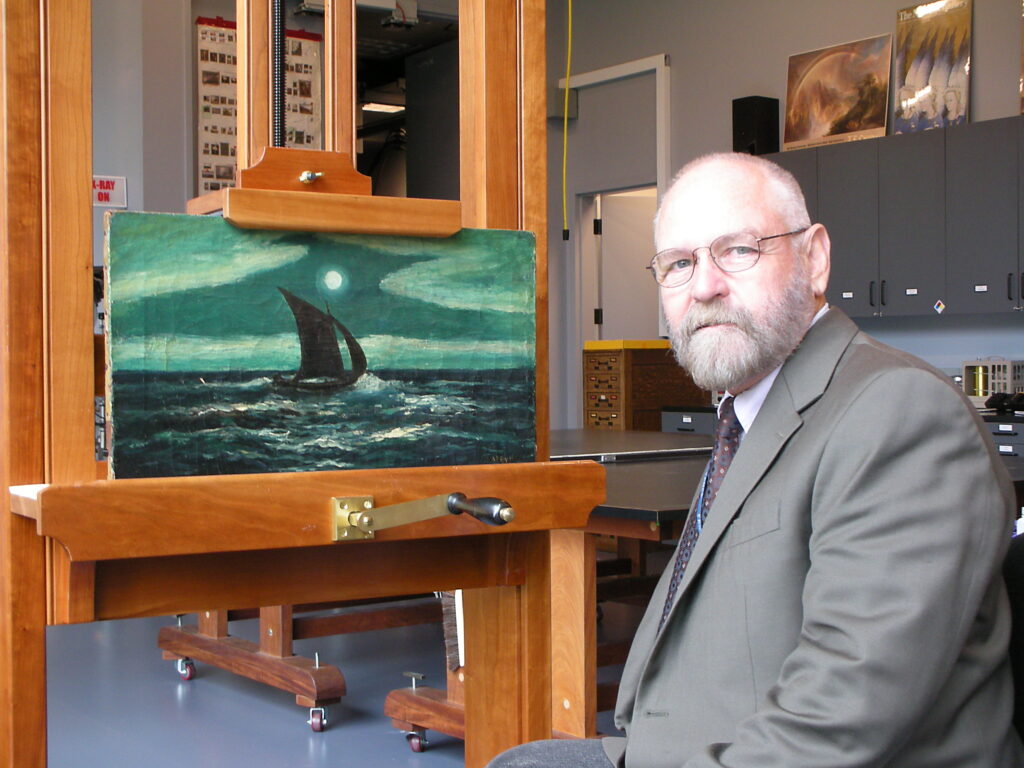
627	383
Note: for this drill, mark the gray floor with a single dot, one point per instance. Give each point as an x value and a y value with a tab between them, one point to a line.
114	701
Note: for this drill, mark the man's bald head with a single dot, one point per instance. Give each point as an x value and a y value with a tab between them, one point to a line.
782	191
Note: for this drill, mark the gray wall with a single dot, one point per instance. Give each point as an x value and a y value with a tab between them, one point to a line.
720	51
142	133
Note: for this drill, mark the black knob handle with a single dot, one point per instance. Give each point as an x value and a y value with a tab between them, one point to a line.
871	293
488	509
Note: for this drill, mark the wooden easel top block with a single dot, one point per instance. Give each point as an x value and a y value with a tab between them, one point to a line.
272	195
279	168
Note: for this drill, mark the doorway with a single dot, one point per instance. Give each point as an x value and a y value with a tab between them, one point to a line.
621	299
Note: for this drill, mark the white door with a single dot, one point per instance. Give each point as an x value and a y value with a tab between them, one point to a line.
628	296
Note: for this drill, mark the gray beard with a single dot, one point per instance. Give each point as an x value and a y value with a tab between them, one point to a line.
727	357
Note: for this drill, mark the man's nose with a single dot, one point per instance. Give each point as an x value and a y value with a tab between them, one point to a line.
708	281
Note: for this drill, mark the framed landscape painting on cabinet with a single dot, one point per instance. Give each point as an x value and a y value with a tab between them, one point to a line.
839	93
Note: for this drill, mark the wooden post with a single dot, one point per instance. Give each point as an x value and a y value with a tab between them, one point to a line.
340	77
253	79
22	402
509	629
503	185
276	630
68	261
574	634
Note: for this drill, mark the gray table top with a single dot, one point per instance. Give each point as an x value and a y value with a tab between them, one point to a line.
610	444
649	476
652	476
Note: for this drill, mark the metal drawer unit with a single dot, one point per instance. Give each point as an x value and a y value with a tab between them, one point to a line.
1008	434
697	421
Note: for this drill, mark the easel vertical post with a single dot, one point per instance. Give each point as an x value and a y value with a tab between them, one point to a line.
508	650
489	108
339	76
533	181
22	388
501	76
253	43
574	635
67	249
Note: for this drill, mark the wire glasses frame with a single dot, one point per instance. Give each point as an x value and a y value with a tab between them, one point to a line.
731	253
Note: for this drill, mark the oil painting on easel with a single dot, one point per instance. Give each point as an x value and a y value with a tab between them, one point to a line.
236	351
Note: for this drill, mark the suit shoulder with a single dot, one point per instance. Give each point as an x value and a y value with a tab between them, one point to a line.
868	362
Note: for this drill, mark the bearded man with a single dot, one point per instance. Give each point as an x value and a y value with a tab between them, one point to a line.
835	598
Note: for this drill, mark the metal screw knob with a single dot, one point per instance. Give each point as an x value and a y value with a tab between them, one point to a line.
308	177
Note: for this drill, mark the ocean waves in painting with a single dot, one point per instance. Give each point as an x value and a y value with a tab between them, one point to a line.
172	424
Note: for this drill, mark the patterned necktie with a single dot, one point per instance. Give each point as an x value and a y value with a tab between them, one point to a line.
727	441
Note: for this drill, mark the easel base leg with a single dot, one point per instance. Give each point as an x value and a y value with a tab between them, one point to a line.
313	686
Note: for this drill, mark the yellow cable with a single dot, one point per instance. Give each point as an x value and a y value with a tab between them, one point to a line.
565	122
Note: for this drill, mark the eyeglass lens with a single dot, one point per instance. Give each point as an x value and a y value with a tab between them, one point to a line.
732	253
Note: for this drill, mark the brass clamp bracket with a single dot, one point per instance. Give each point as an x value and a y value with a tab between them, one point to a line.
356	518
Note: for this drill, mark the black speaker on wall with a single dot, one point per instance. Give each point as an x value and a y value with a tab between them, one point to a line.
755	125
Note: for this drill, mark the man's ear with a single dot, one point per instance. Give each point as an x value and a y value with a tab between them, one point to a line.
819	255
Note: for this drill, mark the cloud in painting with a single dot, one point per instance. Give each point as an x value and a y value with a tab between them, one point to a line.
204	269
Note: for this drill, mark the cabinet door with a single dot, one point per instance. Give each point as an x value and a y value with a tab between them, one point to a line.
848	207
981	216
803	164
912	222
1017	282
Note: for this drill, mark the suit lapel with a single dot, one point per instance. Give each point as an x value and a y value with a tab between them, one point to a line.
756	454
801	381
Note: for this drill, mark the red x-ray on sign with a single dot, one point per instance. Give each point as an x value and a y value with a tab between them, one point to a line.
109	192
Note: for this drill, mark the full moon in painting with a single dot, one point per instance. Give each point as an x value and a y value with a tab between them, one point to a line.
333	280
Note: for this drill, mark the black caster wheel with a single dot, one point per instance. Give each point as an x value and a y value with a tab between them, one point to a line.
417	741
317	719
186	669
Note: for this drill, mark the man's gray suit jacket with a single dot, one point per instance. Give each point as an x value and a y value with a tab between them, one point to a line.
843	605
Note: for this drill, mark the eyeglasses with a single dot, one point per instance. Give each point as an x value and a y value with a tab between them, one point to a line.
731	253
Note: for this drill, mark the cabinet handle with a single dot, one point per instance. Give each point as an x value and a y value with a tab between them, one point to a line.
882	292
1009	286
871	293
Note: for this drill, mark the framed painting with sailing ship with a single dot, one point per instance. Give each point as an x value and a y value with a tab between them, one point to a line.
237	351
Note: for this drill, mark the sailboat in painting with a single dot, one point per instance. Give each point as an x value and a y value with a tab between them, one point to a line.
321	366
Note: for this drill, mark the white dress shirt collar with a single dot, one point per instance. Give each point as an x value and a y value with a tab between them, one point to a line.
748	402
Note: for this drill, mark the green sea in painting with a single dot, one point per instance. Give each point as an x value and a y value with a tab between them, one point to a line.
213	372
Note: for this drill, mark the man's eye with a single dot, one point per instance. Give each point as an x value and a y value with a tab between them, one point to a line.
738	252
680	265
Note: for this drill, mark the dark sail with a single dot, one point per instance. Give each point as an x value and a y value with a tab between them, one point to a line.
321	358
355	352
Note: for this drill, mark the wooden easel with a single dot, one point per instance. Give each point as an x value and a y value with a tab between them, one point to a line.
113	549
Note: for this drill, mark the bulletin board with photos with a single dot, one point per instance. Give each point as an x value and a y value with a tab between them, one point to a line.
217	112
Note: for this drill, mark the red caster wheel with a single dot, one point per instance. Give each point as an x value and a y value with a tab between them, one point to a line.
417	741
186	669
317	719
